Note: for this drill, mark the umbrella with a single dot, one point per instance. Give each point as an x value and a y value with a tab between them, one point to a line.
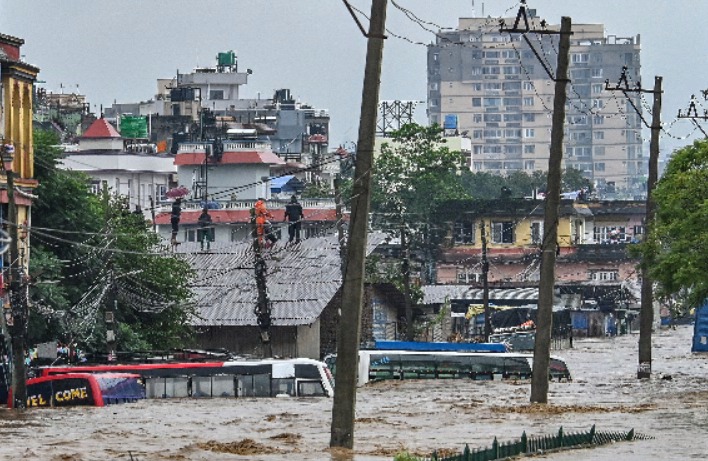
177	192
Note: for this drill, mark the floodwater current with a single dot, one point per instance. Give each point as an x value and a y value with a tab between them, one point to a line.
413	416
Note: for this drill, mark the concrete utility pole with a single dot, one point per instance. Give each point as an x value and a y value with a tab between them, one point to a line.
485	285
406	272
342	431
646	312
18	293
544	320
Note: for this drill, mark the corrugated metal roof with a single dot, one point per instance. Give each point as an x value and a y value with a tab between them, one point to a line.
437	294
301	281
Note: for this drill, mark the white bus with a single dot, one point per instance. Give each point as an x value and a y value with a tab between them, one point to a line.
380	365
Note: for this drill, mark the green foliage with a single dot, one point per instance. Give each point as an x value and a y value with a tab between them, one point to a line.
317	190
483	185
677	250
405	456
88	252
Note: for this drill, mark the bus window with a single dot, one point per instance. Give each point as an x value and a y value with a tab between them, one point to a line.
222	386
155	388
310	389
201	386
176	387
417	366
383	366
253	385
283	386
450	367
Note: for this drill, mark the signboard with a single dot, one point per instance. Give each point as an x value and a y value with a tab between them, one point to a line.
133	127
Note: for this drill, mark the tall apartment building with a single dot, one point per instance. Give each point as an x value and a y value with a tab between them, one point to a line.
496	89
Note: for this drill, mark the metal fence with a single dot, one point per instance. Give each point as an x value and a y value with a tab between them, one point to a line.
529	446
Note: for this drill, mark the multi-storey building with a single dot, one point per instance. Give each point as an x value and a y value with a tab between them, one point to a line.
296	131
17	80
495	87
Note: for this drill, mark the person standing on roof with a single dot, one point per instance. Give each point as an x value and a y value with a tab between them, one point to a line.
175	217
293	214
263	226
205	228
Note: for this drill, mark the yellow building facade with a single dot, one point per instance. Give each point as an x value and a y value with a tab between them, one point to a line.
17	80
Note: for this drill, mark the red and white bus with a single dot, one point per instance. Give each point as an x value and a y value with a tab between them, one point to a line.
299	377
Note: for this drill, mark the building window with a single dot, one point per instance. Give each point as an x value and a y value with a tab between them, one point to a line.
600	166
529	133
95	187
529	165
576	58
597	73
604	275
530	149
527	86
529	118
216	94
598	120
464	232
476	102
492	102
599	150
469	277
528	101
610	234
503	232
598	135
597	88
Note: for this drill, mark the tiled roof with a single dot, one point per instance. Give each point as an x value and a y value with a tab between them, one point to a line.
301	281
226	216
246	157
100	129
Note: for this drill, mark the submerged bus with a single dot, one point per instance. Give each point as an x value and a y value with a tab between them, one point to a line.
380	365
82	389
243	378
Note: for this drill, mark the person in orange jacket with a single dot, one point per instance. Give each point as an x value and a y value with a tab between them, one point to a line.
263	226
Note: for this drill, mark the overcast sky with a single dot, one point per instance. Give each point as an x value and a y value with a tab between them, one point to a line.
116	49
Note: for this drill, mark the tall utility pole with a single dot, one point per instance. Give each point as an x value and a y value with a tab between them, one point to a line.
342	431
406	273
646	311
646	317
18	290
485	285
544	320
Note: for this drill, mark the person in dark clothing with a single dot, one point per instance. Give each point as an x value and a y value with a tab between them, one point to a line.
293	214
175	217
205	228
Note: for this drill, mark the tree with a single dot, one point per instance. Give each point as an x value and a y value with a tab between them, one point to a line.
86	250
677	248
414	173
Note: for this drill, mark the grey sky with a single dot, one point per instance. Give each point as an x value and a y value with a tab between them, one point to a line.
116	49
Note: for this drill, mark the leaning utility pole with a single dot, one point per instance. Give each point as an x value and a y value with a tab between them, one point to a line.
544	319
646	311
342	430
18	290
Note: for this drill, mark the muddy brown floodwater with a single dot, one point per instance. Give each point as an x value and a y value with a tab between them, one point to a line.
415	416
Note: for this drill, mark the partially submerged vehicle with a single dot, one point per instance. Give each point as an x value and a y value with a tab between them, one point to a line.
239	378
83	389
379	365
